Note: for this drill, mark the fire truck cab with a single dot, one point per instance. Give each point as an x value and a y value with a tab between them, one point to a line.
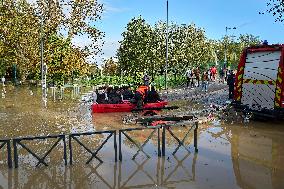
259	86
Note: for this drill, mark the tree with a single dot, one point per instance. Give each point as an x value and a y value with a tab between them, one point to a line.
134	53
75	17
63	59
20	35
276	8
110	67
233	47
143	48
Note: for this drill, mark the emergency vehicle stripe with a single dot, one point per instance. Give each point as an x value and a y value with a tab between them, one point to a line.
239	77
265	82
278	92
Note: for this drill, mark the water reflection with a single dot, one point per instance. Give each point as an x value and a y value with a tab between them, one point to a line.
22	114
256	152
230	156
146	173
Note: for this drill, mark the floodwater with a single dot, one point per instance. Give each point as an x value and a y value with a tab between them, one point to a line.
229	156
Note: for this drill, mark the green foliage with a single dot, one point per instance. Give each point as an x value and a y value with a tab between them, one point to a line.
110	67
23	25
136	50
276	8
143	48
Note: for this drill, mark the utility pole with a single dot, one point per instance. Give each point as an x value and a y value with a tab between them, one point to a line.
167	48
225	60
43	66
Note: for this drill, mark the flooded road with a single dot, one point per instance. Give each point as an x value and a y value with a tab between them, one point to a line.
229	156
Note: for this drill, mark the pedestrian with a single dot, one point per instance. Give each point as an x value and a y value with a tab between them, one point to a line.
225	73
192	84
222	74
146	79
209	74
231	83
214	73
205	81
95	96
3	80
188	75
197	75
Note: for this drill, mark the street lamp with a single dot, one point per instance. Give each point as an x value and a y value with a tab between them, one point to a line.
43	64
227	28
167	48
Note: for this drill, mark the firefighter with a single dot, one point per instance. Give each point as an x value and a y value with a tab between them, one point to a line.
231	83
140	95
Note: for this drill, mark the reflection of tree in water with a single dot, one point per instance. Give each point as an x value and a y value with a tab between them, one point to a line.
51	177
40	148
25	116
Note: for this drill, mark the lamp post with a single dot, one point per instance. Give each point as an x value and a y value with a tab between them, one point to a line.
227	28
43	66
167	48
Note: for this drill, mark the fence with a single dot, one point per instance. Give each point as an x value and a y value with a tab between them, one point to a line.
18	141
7	143
94	154
161	141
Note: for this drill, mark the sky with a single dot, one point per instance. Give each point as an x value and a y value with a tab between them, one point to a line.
211	15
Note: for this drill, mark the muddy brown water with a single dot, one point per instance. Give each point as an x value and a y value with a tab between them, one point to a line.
229	156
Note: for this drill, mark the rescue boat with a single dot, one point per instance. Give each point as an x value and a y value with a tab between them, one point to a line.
125	106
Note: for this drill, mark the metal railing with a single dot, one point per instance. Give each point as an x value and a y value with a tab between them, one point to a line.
75	136
140	147
41	160
161	143
192	125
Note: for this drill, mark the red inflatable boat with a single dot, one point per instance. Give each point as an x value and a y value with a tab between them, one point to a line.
126	106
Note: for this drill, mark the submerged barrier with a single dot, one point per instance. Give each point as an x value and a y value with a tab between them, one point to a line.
7	143
74	137
18	141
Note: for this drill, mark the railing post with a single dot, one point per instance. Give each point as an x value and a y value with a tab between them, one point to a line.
115	146
195	136
15	153
9	154
164	141
64	149
159	143
119	146
70	149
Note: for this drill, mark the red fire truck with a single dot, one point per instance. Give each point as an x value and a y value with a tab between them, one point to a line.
259	86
